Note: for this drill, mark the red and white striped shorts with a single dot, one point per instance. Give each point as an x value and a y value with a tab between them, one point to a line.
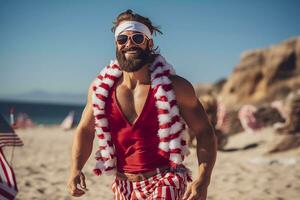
167	185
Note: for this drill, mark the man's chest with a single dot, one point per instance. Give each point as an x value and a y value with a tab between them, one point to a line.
132	102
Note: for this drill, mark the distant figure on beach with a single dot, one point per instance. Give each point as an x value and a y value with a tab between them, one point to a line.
23	121
69	122
136	106
248	120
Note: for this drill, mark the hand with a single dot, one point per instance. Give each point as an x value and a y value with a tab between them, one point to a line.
196	191
76	178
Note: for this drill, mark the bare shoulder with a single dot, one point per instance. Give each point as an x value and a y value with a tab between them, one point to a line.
184	90
90	92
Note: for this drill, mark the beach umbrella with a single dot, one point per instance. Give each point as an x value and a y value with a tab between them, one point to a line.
8	137
8	184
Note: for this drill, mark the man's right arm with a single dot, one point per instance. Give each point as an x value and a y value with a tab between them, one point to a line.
82	148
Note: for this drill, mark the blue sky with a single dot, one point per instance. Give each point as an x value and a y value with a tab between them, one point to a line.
60	46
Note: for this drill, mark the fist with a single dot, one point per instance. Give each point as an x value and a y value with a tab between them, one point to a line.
76	184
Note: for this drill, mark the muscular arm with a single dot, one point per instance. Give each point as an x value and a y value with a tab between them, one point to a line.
194	115
84	136
82	148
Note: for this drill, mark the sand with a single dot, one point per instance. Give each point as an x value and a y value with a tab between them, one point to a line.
42	168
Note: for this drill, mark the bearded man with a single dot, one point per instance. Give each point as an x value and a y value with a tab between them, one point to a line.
136	107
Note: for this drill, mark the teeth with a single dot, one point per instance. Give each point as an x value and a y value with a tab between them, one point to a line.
130	51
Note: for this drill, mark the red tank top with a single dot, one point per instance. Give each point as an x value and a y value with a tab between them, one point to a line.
136	144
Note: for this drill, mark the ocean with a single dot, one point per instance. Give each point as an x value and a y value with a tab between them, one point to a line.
41	113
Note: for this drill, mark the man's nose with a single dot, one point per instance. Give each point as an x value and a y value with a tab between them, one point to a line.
129	43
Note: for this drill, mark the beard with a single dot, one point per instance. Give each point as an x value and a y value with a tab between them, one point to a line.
135	62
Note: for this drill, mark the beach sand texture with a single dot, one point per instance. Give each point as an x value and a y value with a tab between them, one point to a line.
42	168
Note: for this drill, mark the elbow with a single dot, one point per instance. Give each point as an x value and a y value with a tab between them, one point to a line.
207	138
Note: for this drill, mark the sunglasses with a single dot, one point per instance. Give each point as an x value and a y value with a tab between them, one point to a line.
136	38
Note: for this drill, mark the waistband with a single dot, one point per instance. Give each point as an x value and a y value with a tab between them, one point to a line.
141	176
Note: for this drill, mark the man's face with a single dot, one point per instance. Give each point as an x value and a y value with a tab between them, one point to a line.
132	55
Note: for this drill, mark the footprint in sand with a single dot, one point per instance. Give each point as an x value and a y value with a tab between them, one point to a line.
40	179
27	184
41	190
43	166
32	171
57	183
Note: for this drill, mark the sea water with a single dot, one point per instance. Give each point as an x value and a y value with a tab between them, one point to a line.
40	113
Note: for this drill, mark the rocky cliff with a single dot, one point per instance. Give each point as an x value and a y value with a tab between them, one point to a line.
264	75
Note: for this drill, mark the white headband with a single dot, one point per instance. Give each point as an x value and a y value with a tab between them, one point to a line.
132	26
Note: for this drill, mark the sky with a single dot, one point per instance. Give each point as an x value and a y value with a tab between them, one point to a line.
60	46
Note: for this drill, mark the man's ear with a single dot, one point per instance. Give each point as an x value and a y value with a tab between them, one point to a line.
151	44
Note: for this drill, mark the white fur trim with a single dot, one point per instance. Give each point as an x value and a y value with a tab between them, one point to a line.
175	143
156	81
176	158
158	70
98	154
164	146
97	82
97	101
103	122
99	131
171	95
108	81
111	150
101	91
164	118
102	142
160	92
174	111
100	165
105	153
166	80
163	105
175	127
162	133
110	163
98	112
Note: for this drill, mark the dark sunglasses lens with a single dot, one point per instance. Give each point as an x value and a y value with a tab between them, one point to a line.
122	39
138	38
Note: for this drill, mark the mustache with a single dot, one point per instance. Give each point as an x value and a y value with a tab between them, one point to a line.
132	49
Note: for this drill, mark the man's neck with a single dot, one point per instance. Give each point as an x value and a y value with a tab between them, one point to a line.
140	77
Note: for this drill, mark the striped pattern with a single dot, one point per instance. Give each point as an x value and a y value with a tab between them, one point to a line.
8	137
8	184
172	145
167	186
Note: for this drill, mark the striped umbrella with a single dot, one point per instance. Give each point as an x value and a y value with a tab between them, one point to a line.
8	184
8	137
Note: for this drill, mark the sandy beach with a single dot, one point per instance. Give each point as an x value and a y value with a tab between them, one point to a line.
42	168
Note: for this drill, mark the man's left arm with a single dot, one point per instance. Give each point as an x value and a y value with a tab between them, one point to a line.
195	116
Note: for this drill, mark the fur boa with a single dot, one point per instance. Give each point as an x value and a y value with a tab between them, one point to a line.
172	144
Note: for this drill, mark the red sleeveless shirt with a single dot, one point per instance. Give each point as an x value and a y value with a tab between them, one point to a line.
136	144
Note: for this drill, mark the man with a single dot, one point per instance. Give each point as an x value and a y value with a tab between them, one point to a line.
137	106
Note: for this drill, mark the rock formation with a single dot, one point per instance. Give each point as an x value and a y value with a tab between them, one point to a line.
264	75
